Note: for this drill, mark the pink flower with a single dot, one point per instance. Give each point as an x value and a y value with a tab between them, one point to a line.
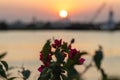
81	61
72	53
47	59
41	56
57	43
40	69
53	45
47	64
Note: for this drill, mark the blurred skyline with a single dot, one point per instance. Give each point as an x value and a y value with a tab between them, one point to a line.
48	10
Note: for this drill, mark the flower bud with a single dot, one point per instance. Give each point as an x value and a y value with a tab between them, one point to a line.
72	41
81	61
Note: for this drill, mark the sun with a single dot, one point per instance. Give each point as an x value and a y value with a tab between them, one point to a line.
63	14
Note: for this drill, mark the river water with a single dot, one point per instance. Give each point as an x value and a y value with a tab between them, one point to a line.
23	48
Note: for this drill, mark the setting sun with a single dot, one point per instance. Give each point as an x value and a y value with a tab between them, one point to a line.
63	13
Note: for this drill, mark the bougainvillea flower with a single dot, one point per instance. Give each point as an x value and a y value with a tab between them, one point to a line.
72	53
47	64
81	61
58	57
53	45
47	59
40	69
57	43
41	56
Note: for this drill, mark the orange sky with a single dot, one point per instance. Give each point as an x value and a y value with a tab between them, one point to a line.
79	10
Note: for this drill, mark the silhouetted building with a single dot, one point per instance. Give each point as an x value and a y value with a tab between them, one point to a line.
17	25
3	25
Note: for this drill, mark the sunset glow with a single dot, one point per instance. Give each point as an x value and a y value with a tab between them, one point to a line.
48	10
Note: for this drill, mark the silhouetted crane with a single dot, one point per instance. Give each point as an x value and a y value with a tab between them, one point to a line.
98	12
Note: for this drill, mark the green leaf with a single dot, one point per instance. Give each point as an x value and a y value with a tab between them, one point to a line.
3	55
64	77
84	53
58	56
26	73
76	57
70	63
46	49
12	78
2	72
73	74
5	64
44	74
44	77
65	48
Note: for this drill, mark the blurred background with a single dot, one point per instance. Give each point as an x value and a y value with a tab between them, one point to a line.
25	25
